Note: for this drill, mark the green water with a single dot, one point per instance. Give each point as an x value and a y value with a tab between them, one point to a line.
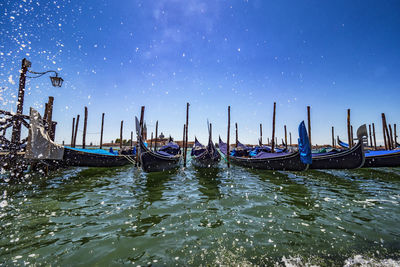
117	216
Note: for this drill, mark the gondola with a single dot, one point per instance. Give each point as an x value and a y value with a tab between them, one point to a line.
379	158
382	158
205	156
166	158
94	158
40	148
348	159
286	161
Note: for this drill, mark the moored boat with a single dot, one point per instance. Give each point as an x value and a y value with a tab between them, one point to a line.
286	161
205	156
347	159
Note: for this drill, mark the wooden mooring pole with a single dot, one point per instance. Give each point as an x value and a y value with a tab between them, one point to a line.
228	136
273	130
76	129
370	135
49	117
101	131
186	134
290	138
373	132
309	124
391	137
384	128
120	135
132	139
352	135
333	137
261	141
84	128
73	132
151	141
237	137
155	141
348	129
395	135
286	145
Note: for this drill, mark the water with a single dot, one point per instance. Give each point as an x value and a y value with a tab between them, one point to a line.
239	217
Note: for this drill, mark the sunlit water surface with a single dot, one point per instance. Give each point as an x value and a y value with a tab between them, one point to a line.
239	217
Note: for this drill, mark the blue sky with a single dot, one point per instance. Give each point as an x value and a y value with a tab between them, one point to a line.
116	56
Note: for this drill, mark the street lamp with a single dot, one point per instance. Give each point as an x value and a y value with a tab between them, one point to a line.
55	81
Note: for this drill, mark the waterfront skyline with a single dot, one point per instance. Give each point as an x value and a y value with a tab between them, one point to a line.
116	57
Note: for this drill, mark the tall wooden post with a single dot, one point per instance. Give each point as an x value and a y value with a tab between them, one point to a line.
261	141
391	137
73	132
183	139
370	135
151	141
227	139
333	137
155	142
46	110
141	121
186	134
120	135
348	128
76	129
132	139
309	124
84	128
352	139
16	131
373	131
384	131
285	137
273	130
49	117
101	131
395	135
237	137
290	138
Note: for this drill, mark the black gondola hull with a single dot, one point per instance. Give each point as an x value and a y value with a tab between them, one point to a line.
153	162
291	162
349	159
85	159
388	160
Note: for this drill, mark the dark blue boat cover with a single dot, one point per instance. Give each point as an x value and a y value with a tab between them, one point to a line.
304	145
380	153
198	148
171	148
343	144
94	151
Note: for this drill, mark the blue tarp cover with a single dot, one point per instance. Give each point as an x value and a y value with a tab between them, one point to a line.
93	151
304	145
380	152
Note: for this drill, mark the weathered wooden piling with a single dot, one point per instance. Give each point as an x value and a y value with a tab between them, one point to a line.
46	110
73	132
370	135
373	132
309	123
132	139
237	138
49	118
352	136
286	145
395	135
290	138
227	139
273	129
76	129
84	128
187	133
385	135
261	141
348	129
391	137
333	136
120	135
155	142
151	141
183	137
101	131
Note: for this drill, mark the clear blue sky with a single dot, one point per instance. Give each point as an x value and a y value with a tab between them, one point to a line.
118	55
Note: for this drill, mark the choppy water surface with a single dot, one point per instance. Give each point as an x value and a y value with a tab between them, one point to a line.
238	217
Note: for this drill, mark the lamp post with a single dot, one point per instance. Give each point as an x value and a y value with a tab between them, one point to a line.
55	81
